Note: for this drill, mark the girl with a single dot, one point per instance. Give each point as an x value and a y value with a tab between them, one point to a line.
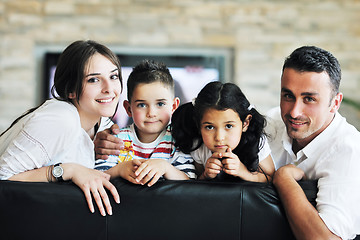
87	83
223	133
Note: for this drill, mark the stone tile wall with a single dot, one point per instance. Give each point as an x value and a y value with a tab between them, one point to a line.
260	34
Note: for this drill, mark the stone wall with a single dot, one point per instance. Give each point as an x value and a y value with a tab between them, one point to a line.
259	33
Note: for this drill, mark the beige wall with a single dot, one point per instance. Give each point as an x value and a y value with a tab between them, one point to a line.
259	33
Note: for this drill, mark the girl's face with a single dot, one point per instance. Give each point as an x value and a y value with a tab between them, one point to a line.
101	91
222	129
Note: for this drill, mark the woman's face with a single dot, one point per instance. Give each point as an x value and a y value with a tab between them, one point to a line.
101	91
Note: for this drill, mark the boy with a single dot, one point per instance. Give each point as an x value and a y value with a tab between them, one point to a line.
149	152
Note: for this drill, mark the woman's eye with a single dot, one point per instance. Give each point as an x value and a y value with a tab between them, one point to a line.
92	80
228	126
161	104
114	77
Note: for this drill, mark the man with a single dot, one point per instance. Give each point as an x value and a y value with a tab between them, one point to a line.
309	139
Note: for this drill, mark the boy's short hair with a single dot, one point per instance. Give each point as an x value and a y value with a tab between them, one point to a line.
149	71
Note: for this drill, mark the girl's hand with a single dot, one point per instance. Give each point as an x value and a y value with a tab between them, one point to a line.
233	166
150	171
92	182
213	166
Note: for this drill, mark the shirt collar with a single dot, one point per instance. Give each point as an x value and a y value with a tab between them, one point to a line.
317	145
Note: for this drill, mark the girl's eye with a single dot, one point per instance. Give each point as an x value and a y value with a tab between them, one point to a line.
141	105
209	127
228	126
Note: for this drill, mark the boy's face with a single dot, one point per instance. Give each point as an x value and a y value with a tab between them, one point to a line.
151	107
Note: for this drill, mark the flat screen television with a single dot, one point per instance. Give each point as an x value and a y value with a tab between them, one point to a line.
190	73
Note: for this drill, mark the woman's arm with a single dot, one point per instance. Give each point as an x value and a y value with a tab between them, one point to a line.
90	181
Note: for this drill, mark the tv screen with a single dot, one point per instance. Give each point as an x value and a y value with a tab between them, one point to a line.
190	73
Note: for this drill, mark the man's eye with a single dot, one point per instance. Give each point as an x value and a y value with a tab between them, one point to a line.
309	99
161	104
288	96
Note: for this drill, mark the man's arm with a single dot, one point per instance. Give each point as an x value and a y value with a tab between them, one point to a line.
303	218
107	144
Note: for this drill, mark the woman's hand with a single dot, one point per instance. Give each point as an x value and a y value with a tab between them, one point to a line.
92	182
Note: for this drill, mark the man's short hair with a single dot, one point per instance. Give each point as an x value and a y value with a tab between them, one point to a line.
315	59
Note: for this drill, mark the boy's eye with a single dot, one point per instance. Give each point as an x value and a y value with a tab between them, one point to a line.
228	126
141	105
161	104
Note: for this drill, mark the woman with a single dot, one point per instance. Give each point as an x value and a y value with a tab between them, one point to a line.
87	86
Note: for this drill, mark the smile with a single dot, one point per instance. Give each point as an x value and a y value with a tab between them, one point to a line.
105	100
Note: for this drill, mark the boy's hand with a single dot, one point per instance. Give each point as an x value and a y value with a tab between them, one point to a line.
213	166
127	170
107	144
232	164
150	171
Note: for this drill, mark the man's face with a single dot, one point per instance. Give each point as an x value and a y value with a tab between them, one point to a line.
307	105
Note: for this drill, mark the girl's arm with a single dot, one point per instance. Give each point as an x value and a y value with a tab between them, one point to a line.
90	181
233	166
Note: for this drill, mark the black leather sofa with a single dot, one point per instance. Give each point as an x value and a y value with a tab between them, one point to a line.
168	210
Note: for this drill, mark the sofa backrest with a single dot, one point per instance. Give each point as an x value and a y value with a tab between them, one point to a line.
167	210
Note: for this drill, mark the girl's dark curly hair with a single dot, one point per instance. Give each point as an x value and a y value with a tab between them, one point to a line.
186	120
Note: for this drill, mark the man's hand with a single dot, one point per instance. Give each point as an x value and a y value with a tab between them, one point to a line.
107	144
289	171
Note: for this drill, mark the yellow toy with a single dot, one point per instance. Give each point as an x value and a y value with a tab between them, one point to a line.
127	153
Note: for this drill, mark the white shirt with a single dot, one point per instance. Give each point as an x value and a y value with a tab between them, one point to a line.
332	158
202	154
50	134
